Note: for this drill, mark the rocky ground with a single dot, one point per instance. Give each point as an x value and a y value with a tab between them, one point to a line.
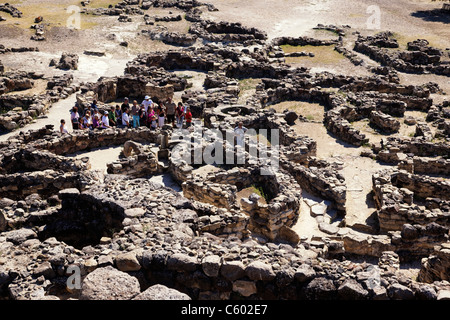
357	210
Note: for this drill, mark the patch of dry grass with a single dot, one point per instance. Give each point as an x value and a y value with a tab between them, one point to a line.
54	14
311	111
323	54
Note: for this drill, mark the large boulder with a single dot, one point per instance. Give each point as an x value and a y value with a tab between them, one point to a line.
68	61
232	270
160	292
20	235
290	117
400	292
128	262
320	289
258	270
181	262
109	284
352	290
211	265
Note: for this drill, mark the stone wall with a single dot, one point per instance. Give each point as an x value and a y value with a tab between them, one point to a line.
396	205
322	182
412	242
81	140
383	121
37	160
423	186
219	195
32	106
426	165
436	266
47	182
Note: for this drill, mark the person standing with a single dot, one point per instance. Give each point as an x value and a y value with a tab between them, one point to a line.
188	117
135	114
161	115
125	105
170	110
142	116
239	133
180	115
75	117
126	119
147	103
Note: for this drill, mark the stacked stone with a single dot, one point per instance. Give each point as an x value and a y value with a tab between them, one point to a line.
59	87
383	121
227	32
419	58
395	205
173	38
219	195
434	268
426	165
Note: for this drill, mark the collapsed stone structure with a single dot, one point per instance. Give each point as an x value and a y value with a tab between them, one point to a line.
207	242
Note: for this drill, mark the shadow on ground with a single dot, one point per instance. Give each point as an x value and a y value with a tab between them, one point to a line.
435	15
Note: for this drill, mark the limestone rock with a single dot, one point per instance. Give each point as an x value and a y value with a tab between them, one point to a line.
352	290
109	284
444	295
21	235
320	289
128	262
181	262
44	269
400	292
328	228
244	288
211	265
160	292
232	270
258	270
68	61
304	273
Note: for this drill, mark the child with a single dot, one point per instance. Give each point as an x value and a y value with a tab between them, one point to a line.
62	127
188	117
150	115
153	122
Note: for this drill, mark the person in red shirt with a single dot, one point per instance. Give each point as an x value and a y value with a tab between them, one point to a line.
188	117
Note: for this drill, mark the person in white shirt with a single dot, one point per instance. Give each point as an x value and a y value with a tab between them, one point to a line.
63	127
105	120
147	103
126	118
239	133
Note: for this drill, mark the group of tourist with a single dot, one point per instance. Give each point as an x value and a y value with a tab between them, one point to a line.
134	115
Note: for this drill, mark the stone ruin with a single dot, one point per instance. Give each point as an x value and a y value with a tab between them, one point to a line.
205	241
